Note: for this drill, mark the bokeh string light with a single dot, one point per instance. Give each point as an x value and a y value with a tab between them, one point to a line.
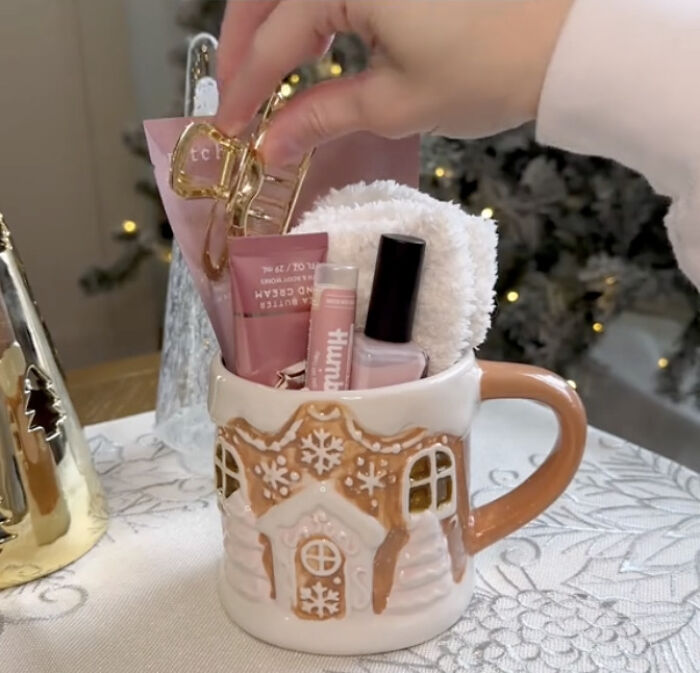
129	227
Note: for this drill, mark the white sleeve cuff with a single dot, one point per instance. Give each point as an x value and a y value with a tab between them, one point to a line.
623	84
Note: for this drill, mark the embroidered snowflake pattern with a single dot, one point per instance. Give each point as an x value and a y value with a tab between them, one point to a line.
321	450
370	479
274	474
319	600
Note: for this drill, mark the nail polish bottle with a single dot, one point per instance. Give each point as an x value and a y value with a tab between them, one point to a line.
385	355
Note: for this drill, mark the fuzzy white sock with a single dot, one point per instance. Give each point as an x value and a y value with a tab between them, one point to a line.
459	272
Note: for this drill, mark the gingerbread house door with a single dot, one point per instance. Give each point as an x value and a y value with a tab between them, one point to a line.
320	579
323	550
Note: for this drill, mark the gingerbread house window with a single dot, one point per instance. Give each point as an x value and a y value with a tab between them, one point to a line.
321	557
228	478
430	482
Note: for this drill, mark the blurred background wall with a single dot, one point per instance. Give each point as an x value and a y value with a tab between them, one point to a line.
75	74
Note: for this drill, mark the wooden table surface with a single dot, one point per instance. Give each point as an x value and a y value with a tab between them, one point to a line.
115	389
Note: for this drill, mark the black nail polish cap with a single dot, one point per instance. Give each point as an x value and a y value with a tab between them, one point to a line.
392	304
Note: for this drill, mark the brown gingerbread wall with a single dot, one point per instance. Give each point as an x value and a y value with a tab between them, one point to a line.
278	465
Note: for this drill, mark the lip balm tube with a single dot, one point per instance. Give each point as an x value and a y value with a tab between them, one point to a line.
331	329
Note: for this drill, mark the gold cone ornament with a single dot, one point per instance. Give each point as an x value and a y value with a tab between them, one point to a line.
52	509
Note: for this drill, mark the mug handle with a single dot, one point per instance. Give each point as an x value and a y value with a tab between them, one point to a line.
503	380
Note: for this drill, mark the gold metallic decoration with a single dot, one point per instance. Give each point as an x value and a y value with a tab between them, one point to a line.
52	508
248	190
213	269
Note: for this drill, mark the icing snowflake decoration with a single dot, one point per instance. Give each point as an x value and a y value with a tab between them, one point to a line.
319	600
370	479
321	450
275	474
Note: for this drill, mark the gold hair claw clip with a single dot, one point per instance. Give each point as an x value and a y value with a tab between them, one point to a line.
256	198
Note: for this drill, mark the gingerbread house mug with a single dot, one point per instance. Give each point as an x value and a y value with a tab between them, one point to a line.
346	515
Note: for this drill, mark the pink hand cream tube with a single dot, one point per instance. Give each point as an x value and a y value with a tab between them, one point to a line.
272	285
331	328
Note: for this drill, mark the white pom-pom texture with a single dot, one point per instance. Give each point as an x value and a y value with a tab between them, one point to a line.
459	273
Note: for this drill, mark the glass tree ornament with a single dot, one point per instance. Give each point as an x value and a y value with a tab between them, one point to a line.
189	344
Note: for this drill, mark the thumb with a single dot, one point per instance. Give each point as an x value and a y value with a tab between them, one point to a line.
365	102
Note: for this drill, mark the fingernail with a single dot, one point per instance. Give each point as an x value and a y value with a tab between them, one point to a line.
281	151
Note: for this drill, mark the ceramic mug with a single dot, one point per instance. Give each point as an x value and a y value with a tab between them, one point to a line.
347	521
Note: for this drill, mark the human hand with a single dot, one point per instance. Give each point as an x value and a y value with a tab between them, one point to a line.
460	68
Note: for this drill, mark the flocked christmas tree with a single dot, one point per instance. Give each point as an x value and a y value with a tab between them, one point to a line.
581	238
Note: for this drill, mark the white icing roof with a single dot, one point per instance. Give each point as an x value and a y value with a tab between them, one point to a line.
322	495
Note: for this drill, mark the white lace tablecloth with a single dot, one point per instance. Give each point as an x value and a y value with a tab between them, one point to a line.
608	579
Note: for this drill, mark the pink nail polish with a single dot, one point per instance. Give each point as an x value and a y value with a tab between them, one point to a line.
281	151
385	355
